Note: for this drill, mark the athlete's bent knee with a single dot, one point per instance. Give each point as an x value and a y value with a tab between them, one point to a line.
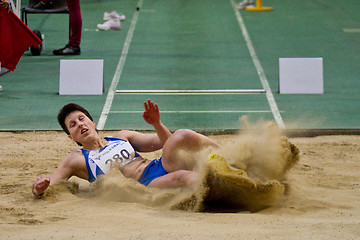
184	134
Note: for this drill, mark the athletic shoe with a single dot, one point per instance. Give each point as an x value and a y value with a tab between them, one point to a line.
114	16
110	25
68	50
43	5
244	4
219	163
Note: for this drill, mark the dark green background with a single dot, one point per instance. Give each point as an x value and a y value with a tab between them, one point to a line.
196	45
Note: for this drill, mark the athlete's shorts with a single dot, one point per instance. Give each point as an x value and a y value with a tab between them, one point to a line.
152	171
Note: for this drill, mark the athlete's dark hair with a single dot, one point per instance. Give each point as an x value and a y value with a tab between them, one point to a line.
66	110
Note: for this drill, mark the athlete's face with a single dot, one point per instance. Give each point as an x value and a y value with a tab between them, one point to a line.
79	126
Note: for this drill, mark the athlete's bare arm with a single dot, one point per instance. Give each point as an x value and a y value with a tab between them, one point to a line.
72	165
148	142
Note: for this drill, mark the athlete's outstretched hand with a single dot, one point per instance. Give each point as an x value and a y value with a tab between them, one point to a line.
151	114
40	185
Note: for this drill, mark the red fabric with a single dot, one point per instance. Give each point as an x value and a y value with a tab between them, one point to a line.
15	38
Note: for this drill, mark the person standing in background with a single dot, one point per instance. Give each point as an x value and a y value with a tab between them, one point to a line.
73	46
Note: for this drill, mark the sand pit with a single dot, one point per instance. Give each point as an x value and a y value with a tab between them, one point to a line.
316	198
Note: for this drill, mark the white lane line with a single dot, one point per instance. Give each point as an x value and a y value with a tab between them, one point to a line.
223	111
192	92
259	69
119	68
91	29
351	30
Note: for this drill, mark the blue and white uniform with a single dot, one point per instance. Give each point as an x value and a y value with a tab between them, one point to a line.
99	162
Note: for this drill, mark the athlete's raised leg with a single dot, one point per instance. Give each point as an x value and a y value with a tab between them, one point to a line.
180	178
183	139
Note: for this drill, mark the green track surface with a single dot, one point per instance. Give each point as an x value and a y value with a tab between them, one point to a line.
195	45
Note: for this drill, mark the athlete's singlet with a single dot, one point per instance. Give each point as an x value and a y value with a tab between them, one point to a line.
99	162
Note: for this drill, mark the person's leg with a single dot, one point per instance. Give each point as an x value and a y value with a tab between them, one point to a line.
180	178
186	140
75	22
73	47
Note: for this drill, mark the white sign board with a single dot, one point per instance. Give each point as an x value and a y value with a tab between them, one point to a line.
81	77
301	76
